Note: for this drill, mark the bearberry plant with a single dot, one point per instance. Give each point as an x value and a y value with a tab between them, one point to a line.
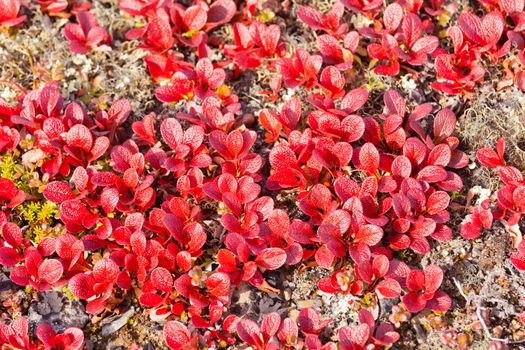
179	207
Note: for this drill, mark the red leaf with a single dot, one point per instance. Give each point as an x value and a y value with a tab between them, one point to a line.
12	234
510	175
270	325
517	259
80	136
324	257
162	279
492	25
441	302
432	173
20	276
171	132
332	81
287	331
512	6
106	271
402	167
218	285
425	45
249	332
50	271
389	288
354	100
437	202
412	28
9	256
330	49
369	235
395	102
354	337
81	285
46	334
282	157
368	158
392	16
69	248
176	335
440	155
220	12
414	302
433	278
80	178
353	128
444	124
489	158
109	199
271	258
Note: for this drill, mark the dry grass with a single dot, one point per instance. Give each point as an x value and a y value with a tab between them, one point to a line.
39	53
493	115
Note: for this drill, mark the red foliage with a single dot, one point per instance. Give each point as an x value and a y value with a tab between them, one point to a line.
409	45
423	290
9	10
182	208
70	339
86	35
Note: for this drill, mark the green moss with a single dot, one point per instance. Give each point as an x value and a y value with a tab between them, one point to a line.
8	166
374	81
68	294
40	217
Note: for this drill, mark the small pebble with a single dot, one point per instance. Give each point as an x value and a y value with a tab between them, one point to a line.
287	293
301	304
118	323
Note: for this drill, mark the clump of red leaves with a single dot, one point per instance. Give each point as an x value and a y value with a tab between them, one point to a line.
15	336
134	206
509	202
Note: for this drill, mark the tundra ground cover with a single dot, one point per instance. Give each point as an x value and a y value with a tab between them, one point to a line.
347	161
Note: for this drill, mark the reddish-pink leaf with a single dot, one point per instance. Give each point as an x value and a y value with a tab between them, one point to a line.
80	136
109	199
162	279
489	158
81	285
176	335
389	288
58	191
432	173
218	285
12	234
9	256
369	235
441	302
271	258
437	202
444	124
440	155
50	271
414	302
369	158
354	100
270	325
433	278
171	132
288	330
392	16
395	102
249	332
